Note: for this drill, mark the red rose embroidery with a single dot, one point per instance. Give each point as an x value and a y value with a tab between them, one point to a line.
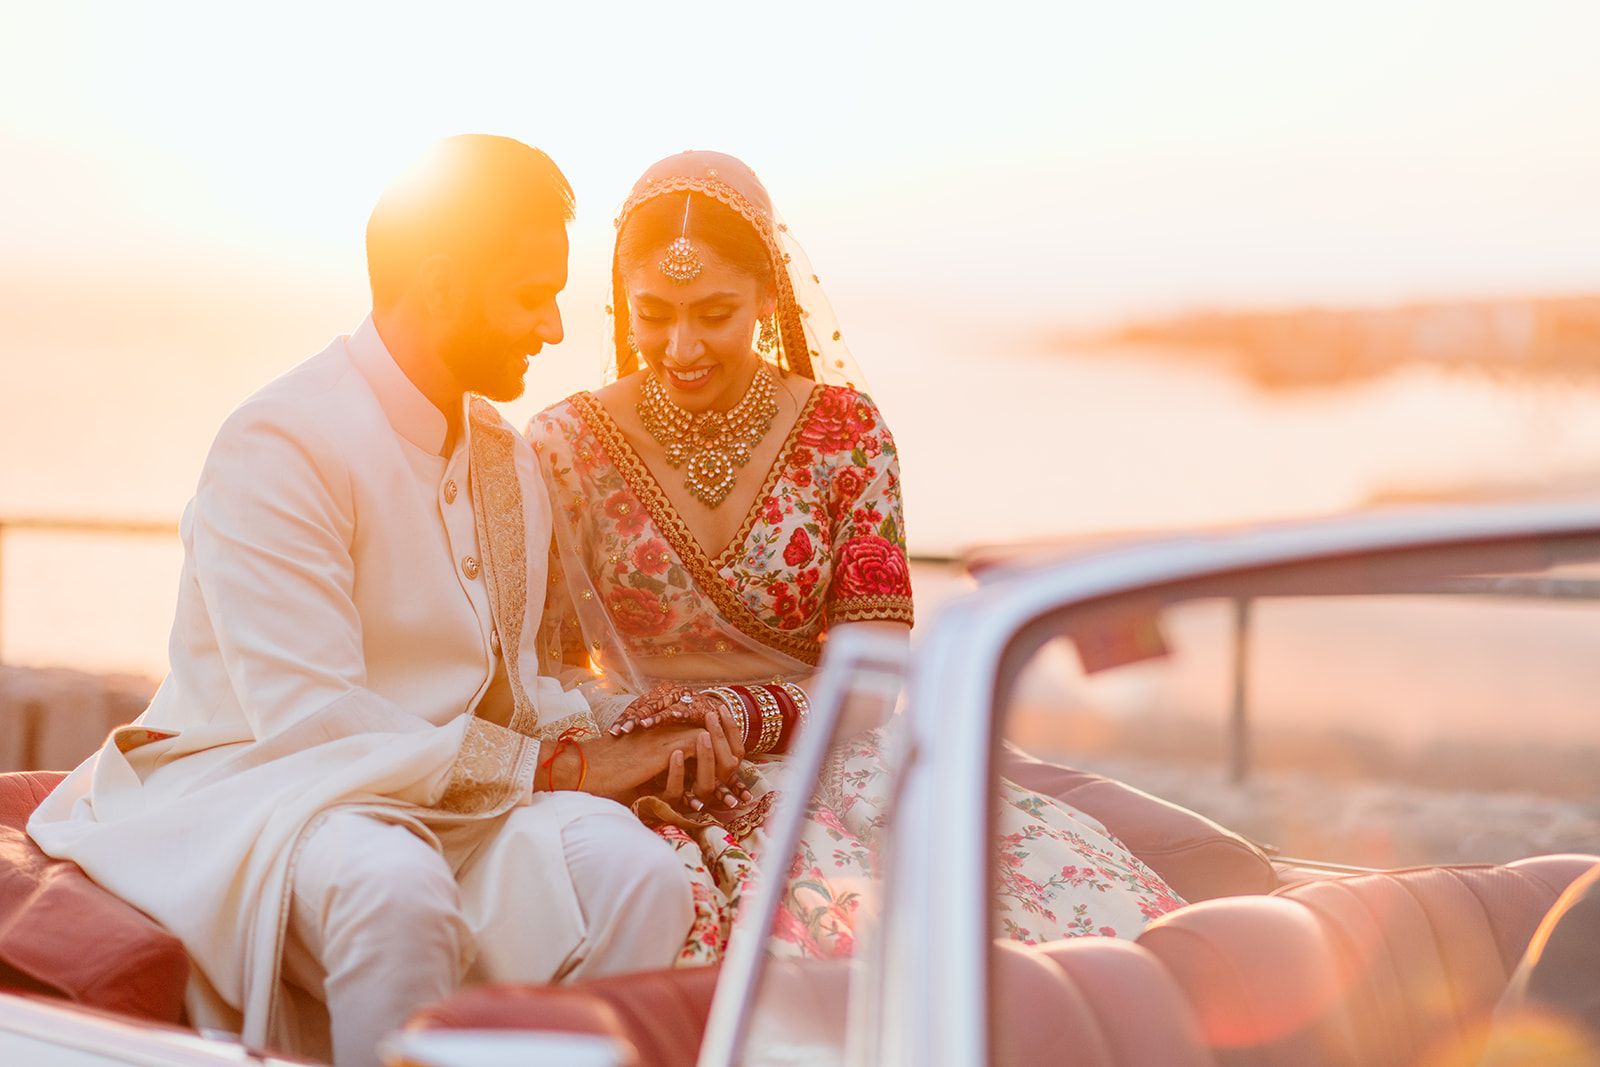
848	483
772	511
652	556
807	580
837	422
626	512
799	549
871	566
639	612
867	519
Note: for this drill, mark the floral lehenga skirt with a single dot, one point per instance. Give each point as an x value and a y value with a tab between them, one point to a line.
1060	872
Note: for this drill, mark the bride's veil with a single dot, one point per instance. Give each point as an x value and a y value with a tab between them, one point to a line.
810	342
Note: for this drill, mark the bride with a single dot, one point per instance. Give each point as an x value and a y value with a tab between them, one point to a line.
720	505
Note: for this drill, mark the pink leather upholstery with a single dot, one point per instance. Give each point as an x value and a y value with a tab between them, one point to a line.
1258	975
661	1014
1126	1010
62	935
1091	1003
1398	967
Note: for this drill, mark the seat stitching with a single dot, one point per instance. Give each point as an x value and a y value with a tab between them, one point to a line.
1232	968
1348	939
1438	945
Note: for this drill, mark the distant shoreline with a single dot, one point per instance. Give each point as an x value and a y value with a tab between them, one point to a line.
1556	336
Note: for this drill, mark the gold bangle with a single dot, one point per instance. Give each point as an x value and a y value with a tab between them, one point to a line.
771	719
802	703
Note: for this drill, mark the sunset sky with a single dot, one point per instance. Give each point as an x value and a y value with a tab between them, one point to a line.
183	189
1095	158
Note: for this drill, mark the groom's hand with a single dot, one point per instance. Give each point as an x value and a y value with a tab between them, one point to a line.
618	766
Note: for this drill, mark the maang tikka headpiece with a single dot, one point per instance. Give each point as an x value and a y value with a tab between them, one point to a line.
681	263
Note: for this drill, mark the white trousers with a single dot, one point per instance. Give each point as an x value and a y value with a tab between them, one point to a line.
381	922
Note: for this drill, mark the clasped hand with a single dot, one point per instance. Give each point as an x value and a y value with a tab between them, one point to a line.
718	746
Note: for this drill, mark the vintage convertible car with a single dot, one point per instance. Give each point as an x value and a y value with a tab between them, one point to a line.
1273	961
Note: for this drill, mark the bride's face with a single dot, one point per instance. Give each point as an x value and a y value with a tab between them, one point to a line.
697	337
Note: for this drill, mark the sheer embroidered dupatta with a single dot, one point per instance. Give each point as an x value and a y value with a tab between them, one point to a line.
635	610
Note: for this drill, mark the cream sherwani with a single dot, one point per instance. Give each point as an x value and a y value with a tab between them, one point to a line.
346	596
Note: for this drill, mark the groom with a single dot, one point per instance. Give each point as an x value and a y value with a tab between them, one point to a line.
353	789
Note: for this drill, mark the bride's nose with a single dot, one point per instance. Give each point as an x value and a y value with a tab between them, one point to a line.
682	344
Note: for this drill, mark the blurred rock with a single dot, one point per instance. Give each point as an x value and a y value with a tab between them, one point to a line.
54	717
1367	823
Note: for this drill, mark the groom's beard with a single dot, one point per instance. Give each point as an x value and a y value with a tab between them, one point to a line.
484	361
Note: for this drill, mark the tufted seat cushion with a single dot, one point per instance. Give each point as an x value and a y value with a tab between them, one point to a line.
1119	1008
1397	967
64	936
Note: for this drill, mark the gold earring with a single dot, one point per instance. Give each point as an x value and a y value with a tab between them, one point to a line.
633	346
767	340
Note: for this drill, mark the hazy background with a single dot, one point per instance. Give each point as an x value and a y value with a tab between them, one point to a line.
990	192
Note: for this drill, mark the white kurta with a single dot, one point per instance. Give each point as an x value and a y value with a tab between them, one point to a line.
344	597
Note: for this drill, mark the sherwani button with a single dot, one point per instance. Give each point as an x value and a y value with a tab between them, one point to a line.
469	567
450	491
494	641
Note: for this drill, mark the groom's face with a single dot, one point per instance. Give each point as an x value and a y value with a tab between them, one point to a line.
509	313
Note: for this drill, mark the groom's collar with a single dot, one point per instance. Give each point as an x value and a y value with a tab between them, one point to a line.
412	414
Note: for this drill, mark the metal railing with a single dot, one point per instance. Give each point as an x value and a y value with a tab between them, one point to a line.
1243	615
153	528
97	527
1515	587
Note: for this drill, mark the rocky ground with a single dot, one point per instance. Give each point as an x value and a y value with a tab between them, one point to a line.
1369	823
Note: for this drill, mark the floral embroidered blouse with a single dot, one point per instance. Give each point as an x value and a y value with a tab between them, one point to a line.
823	542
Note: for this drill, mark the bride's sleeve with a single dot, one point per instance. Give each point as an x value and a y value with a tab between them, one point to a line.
871	574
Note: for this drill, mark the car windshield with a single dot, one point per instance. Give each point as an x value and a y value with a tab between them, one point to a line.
817	943
1327	710
1441	720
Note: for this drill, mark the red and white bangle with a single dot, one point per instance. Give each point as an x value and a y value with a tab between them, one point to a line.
771	720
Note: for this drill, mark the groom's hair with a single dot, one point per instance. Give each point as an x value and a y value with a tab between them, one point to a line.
467	198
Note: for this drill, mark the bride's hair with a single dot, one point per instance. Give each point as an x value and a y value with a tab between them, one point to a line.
713	227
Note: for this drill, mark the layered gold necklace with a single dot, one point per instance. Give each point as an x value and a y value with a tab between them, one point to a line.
712	444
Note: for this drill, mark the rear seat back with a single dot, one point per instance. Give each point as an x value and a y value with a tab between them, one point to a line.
1426	954
1260	980
1393	968
1398	967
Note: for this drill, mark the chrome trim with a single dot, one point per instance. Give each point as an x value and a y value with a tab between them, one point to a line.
849	651
935	936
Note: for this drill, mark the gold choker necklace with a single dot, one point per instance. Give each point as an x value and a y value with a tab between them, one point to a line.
714	444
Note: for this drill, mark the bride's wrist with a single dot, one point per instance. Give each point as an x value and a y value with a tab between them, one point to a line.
767	715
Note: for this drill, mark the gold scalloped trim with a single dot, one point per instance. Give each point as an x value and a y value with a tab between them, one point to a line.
871	609
703	570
